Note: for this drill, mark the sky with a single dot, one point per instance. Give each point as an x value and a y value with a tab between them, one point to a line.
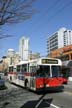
50	17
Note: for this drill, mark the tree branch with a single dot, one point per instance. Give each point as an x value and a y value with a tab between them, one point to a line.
12	10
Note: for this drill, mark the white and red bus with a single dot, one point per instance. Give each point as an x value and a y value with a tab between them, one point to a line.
42	73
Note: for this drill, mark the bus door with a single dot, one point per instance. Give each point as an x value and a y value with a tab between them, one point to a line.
56	76
43	75
33	77
10	74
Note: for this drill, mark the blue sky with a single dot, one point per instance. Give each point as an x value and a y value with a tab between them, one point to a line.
51	15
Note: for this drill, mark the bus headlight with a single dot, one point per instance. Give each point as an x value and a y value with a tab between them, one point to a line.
41	85
47	85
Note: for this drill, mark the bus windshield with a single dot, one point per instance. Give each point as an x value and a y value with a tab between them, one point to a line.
56	71
43	71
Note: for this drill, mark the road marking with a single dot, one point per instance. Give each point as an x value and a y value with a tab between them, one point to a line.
39	103
54	106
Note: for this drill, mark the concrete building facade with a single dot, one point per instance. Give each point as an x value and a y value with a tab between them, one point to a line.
59	39
64	53
24	48
10	52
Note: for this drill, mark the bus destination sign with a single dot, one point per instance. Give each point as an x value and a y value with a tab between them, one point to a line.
49	61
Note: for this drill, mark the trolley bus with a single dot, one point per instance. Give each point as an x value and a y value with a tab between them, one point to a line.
65	74
67	71
38	74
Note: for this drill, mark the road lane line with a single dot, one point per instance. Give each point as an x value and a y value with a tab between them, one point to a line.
54	106
39	103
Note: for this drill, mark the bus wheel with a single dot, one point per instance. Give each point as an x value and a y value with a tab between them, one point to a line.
26	84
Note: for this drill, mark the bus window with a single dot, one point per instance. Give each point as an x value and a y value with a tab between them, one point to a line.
24	68
32	68
14	70
18	68
56	71
43	71
11	69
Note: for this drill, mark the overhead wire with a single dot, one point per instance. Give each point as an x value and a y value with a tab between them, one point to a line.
54	4
45	13
60	10
56	13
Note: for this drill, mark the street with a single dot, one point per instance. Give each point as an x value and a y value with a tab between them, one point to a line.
35	54
17	97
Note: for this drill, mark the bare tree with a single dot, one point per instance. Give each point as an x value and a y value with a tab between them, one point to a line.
13	11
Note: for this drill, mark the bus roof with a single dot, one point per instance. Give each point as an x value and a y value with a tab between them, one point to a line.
42	60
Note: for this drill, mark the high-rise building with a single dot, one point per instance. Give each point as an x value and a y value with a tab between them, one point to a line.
24	48
59	39
10	52
12	57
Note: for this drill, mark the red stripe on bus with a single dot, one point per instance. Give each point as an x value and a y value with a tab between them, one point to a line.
25	74
29	74
40	83
48	82
12	73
